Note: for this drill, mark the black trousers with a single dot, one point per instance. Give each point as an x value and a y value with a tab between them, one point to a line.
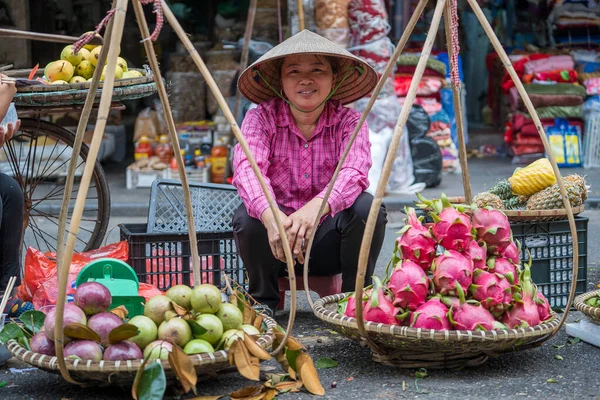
11	229
335	249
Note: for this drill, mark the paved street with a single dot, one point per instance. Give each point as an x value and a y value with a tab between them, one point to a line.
517	375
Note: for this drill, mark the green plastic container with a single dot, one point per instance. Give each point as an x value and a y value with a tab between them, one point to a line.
121	281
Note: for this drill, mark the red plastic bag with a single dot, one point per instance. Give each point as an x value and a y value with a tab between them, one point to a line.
39	267
147	291
162	270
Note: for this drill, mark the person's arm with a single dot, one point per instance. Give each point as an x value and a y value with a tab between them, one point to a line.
247	184
353	177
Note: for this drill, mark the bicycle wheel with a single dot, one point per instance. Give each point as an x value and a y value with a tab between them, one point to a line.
38	158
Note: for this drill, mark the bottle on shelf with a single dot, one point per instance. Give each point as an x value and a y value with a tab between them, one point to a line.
143	148
163	149
218	159
174	160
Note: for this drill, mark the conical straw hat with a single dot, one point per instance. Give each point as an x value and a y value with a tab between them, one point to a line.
356	85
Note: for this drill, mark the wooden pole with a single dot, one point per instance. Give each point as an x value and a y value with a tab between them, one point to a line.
164	99
105	100
244	145
538	124
44	37
245	51
365	247
81	128
300	16
382	80
458	114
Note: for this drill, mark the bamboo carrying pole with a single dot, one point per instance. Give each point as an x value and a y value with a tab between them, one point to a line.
44	37
164	98
105	101
458	115
300	16
386	73
244	146
389	161
81	128
538	124
245	51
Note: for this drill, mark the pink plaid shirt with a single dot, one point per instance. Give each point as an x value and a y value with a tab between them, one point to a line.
297	170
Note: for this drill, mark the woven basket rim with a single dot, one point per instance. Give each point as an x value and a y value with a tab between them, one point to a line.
50	363
579	303
431	335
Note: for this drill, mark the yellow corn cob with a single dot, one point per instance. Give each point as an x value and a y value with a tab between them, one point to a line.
535	177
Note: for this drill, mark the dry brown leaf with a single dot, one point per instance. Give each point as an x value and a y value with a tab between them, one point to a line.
258	322
206	398
291	344
138	378
246	392
80	331
120	312
183	368
308	374
249	315
178	309
270	394
230	354
288	386
282	360
233	297
246	364
255	349
122	332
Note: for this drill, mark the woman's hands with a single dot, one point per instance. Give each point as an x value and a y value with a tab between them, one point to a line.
8	133
298	227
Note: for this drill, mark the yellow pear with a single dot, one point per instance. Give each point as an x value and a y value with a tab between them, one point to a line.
85	69
122	63
59	70
69	55
118	72
77	79
85	54
90	47
59	82
95	55
132	74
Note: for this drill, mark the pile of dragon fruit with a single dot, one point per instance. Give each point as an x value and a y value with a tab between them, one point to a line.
461	272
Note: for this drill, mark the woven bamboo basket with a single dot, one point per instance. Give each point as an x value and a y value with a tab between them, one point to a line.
592	312
405	347
531	215
123	372
75	93
414	348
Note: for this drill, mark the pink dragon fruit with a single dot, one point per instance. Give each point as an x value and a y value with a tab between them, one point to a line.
379	307
543	307
431	315
493	228
409	285
512	252
452	228
493	291
502	266
524	312
416	242
477	253
347	306
470	315
450	270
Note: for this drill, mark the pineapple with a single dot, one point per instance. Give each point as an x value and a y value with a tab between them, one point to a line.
526	181
486	199
580	182
514	203
536	176
549	198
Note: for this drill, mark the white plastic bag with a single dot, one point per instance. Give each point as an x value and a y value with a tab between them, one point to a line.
380	142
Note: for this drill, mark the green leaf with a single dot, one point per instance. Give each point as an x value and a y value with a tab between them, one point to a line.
291	356
326	362
574	340
332	332
3	383
153	383
33	320
558	357
558	346
10	331
197	329
421	373
551	380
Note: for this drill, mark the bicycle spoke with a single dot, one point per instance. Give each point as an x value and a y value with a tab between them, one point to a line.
52	219
35	228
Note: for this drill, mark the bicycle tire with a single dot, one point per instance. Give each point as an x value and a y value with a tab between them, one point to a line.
33	130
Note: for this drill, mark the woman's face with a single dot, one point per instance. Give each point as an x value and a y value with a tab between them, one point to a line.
306	80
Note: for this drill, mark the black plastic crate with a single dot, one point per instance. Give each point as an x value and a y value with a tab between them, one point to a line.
164	259
551	247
